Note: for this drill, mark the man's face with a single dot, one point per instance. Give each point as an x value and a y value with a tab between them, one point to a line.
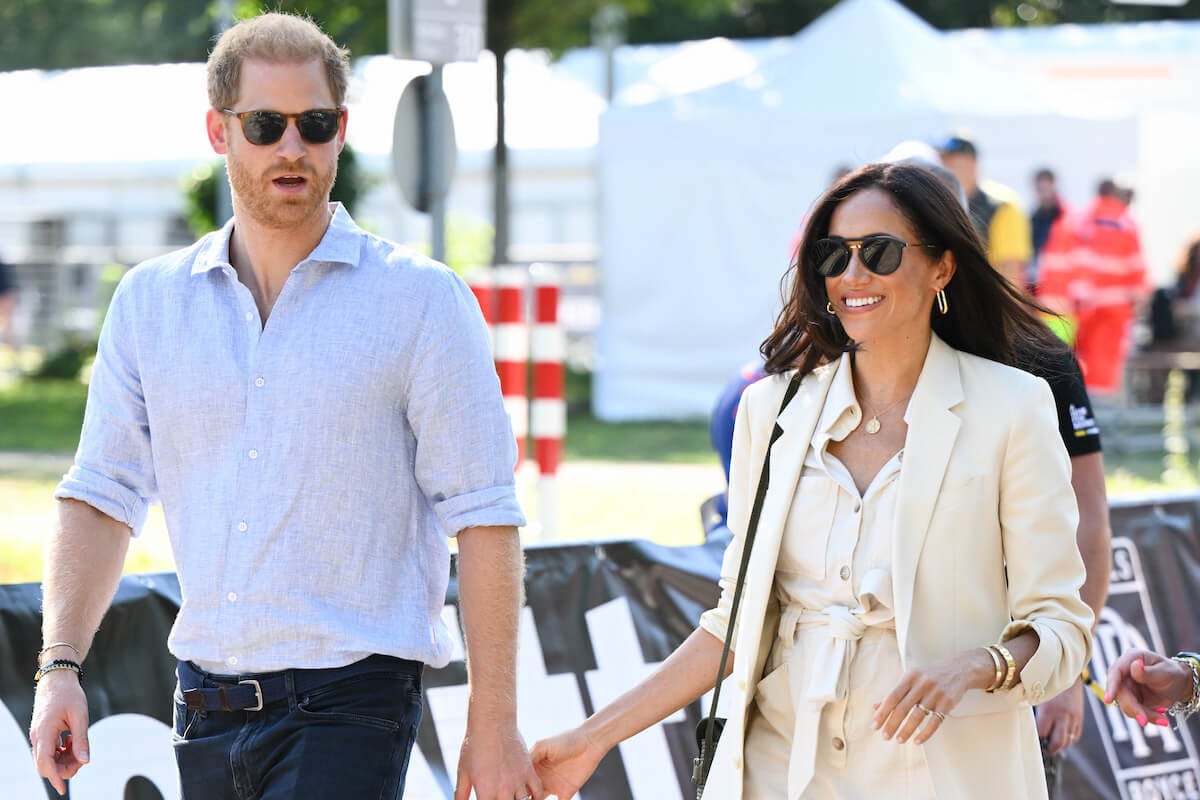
963	166
1045	191
286	183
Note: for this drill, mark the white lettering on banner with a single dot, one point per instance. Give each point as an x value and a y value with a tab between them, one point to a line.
127	745
647	756
123	745
18	775
546	704
1151	763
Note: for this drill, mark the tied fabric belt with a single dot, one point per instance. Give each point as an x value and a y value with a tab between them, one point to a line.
845	626
207	692
829	668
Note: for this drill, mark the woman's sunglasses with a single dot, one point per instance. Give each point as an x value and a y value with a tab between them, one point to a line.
880	254
316	126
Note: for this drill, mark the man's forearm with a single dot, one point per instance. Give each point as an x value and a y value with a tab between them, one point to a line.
84	559
490	590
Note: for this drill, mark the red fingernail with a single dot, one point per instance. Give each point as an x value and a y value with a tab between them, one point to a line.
1141	719
1162	723
1161	709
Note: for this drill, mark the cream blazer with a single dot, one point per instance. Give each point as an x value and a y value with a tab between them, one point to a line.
986	484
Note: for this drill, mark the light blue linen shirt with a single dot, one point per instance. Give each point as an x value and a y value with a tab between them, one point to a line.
309	470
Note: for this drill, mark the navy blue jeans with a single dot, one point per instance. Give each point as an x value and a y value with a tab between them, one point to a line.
325	735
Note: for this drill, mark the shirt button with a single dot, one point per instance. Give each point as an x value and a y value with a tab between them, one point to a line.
242	527
857	507
259	382
231	661
838	744
232	597
249	316
844	573
253	454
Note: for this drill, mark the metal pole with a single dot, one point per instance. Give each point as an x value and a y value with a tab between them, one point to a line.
434	132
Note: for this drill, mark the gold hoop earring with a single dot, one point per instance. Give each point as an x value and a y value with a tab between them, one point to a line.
942	304
829	308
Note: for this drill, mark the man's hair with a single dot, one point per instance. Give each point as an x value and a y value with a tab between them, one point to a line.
1044	174
277	38
1107	188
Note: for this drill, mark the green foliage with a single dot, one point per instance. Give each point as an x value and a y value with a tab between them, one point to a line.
67	364
200	190
72	33
42	415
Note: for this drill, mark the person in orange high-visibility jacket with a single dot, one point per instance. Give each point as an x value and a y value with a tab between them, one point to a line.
1092	271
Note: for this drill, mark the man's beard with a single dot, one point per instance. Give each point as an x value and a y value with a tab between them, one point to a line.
257	197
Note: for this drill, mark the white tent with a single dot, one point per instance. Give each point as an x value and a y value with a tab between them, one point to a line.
702	193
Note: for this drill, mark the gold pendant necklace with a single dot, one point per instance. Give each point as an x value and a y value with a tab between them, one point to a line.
873	424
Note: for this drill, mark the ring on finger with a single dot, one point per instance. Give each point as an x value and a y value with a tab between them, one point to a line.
927	710
923	709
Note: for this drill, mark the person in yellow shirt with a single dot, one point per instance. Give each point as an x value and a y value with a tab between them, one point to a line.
995	210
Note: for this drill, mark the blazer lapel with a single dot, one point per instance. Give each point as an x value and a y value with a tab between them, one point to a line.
932	430
798	422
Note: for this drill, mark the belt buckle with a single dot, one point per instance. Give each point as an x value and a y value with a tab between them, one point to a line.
257	694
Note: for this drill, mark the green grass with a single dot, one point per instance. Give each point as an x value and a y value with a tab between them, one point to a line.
41	416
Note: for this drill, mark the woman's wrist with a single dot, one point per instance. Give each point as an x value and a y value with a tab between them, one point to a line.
982	669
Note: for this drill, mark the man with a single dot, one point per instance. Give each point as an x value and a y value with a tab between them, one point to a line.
1092	269
315	408
1048	211
994	209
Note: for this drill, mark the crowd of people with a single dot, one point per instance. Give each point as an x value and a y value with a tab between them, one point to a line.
317	410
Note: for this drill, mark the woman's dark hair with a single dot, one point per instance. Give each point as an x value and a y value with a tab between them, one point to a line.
988	316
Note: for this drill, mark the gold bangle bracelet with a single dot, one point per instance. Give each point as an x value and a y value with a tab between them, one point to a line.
998	663
53	645
1010	677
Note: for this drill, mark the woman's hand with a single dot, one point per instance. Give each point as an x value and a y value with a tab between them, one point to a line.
925	695
1144	683
565	762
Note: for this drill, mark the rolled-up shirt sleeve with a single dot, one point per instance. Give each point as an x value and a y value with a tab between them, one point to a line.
114	467
465	448
1038	518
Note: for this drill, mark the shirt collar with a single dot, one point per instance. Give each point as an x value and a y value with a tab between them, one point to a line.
842	412
340	245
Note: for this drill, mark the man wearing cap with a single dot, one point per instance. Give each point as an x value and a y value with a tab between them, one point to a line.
995	210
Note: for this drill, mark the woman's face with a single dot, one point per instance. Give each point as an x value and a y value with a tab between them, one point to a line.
883	308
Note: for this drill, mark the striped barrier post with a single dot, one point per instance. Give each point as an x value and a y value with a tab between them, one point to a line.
510	348
548	411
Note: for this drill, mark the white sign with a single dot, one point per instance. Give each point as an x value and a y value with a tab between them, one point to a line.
437	31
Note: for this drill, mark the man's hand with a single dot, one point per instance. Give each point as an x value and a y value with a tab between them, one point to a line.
1061	718
495	763
59	705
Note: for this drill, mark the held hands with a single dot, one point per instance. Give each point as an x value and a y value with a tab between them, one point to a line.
1144	684
565	762
1061	718
494	763
59	704
925	695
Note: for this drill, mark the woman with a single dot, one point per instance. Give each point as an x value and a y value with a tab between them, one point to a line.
919	511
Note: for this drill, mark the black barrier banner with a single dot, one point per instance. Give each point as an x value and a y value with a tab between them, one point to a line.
599	617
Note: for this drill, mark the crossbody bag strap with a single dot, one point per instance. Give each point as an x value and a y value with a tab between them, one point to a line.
706	751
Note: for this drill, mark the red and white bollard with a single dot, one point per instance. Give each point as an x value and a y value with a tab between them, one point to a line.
501	296
510	348
548	412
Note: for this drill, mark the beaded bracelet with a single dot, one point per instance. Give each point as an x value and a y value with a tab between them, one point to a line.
57	664
1192	705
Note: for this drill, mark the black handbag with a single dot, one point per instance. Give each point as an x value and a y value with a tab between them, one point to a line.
709	729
